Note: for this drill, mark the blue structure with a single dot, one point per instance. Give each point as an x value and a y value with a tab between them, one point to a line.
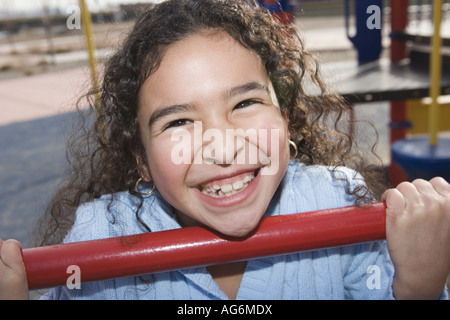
419	159
282	9
367	40
277	6
427	157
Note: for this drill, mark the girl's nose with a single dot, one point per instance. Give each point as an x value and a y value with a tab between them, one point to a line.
221	146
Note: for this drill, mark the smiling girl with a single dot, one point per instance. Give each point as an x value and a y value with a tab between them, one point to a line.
227	67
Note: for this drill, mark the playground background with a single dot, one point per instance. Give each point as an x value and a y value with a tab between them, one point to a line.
42	74
39	88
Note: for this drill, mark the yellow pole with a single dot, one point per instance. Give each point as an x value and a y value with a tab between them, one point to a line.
435	73
87	26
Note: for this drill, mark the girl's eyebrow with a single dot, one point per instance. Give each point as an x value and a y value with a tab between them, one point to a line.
166	111
242	89
228	94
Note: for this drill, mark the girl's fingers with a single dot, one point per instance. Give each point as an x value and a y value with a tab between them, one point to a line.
10	254
424	187
409	198
395	202
411	194
13	277
441	186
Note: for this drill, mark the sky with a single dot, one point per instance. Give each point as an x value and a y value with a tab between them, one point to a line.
28	7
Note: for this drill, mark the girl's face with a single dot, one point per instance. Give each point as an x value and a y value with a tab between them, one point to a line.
215	139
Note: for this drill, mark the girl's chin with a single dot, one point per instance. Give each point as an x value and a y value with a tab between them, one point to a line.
239	233
242	224
239	229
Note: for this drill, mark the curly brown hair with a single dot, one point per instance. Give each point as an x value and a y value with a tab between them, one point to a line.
103	152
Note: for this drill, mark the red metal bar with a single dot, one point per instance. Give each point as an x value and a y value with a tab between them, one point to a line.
196	246
399	22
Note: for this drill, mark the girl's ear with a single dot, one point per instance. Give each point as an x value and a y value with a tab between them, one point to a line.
143	168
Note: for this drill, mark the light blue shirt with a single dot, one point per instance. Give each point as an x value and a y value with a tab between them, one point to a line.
362	271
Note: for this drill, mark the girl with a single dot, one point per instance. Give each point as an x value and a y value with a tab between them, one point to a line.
213	114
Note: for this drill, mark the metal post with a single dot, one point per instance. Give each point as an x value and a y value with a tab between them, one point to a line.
87	27
435	73
399	20
195	246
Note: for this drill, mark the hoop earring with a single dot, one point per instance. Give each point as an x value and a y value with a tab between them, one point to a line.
136	187
292	143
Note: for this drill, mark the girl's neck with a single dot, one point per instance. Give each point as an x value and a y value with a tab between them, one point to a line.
228	277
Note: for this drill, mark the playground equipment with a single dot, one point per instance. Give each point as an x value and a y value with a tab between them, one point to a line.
283	10
367	39
418	115
396	80
418	157
196	246
90	47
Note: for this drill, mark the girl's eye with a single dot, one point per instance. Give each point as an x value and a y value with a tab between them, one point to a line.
246	103
177	123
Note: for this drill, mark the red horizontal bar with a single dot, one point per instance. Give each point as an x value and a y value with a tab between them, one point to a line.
196	246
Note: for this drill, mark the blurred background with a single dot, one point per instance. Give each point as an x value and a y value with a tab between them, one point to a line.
44	68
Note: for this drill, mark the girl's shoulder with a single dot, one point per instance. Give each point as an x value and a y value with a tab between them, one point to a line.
317	187
322	173
105	217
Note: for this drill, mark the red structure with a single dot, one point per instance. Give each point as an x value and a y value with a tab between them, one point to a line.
196	246
399	21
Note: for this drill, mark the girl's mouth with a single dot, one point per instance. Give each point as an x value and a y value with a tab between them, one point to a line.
228	188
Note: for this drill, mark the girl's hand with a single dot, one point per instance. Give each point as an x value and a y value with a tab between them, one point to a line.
418	237
13	277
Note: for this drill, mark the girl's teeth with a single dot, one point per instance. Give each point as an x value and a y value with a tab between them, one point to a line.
227	190
238	185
